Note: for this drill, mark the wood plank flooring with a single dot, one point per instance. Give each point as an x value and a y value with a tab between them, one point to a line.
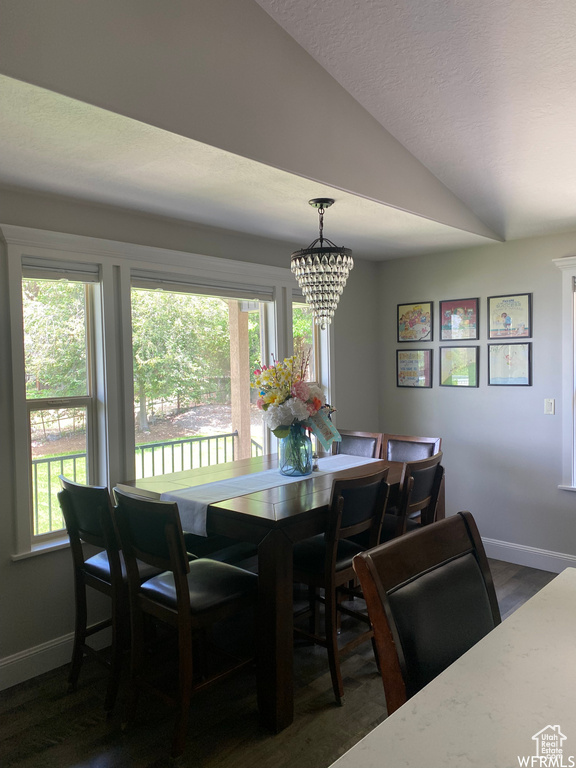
42	726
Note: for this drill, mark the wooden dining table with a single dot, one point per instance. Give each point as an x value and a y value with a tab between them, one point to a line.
274	520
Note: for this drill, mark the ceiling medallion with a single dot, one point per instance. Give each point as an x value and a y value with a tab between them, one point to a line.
322	270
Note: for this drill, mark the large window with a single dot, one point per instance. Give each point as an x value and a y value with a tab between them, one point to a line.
125	361
193	357
58	392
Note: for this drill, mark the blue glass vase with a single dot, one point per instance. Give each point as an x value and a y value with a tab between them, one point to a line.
295	452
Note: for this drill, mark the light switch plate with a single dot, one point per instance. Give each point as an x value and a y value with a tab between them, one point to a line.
549	406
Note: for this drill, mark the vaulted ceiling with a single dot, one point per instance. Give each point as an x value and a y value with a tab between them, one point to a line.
435	125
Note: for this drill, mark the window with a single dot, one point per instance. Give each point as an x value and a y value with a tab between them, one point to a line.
75	394
568	267
304	335
58	391
193	356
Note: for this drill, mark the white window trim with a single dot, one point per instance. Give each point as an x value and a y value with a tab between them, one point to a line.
116	262
567	265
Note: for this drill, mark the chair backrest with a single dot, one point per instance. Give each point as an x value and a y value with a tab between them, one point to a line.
150	531
409	447
367	444
87	511
357	505
430	597
420	487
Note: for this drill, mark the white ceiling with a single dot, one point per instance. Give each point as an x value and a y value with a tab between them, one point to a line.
482	92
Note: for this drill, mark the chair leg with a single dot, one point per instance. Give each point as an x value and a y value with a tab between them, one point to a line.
120	634
332	645
79	635
185	673
137	662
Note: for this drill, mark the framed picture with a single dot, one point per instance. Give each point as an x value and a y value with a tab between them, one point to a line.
510	365
414	368
459	366
510	316
459	319
415	321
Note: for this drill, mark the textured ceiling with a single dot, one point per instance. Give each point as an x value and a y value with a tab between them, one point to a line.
56	144
482	92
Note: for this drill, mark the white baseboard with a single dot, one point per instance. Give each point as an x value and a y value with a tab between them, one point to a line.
42	658
532	557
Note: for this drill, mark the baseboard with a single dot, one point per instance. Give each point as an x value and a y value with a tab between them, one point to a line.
532	557
42	658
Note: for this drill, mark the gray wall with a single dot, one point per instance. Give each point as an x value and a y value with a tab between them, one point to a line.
502	454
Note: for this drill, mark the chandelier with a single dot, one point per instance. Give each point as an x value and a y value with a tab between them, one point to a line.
322	270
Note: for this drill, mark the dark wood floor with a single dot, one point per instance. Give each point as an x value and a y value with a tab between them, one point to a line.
43	726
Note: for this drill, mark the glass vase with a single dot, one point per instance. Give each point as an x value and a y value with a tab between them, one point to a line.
295	452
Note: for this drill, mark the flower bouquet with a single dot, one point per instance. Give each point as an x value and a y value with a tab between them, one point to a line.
289	402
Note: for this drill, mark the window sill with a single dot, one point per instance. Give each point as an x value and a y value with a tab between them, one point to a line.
567	488
62	542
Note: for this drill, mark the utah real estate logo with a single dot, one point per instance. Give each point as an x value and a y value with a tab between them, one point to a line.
549	750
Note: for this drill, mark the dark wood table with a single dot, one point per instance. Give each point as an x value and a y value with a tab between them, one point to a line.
273	519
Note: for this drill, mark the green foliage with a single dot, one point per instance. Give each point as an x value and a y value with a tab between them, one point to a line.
54	338
181	345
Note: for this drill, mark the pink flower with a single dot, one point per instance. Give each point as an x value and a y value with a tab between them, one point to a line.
301	391
260	403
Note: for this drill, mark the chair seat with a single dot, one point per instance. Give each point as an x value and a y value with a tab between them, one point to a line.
99	566
210	584
309	555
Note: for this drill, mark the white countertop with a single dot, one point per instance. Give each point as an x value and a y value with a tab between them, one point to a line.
485	708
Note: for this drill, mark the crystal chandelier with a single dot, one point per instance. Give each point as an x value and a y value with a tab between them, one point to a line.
322	270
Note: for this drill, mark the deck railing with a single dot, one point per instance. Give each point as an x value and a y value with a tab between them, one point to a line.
151	459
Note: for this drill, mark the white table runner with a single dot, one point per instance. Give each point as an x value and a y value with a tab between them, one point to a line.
193	502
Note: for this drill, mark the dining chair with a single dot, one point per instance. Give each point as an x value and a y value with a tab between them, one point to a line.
325	562
430	597
88	517
367	444
409	447
418	497
187	596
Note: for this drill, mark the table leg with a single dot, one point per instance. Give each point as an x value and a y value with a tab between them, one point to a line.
275	632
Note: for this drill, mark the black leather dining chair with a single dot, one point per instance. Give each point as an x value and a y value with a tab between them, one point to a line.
186	596
409	447
430	597
417	503
367	444
324	562
88	517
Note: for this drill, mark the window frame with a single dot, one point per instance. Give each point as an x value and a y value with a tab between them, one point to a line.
567	265
116	263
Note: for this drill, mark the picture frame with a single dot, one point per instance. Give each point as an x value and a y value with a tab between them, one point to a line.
510	316
510	365
414	368
459	319
459	366
415	321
